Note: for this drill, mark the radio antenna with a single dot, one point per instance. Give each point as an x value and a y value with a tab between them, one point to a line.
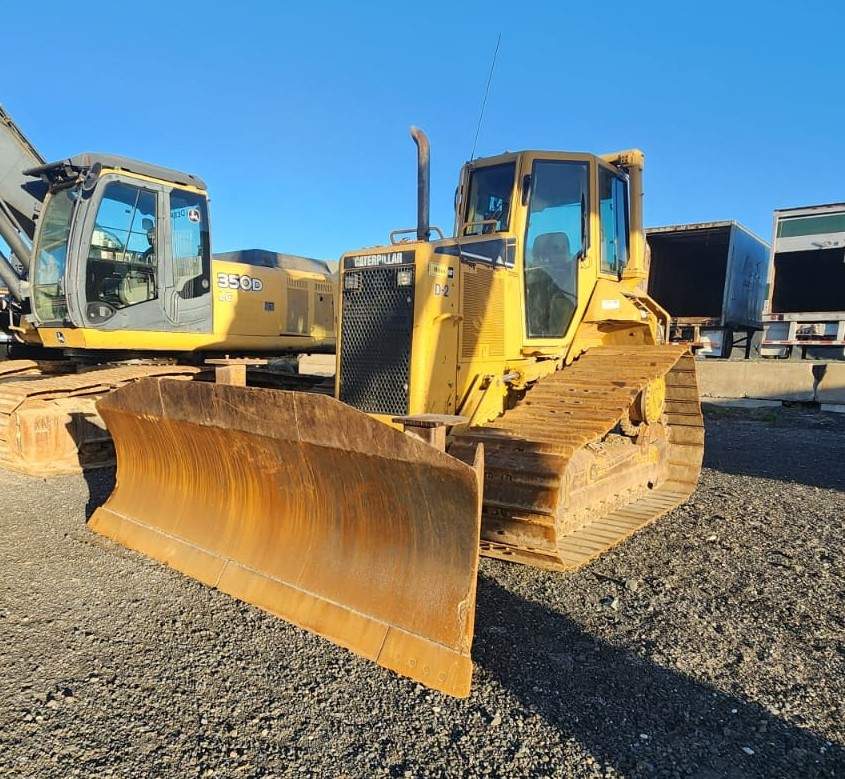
484	99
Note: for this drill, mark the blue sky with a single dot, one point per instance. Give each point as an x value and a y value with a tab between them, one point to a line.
297	115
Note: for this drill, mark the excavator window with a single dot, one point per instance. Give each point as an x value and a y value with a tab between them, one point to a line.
554	243
613	210
122	261
190	243
489	202
49	299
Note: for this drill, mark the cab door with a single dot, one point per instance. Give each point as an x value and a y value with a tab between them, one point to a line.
556	243
121	263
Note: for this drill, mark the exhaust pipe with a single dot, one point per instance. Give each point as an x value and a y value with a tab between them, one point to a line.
423	183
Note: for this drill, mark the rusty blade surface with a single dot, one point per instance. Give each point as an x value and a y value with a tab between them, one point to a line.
307	508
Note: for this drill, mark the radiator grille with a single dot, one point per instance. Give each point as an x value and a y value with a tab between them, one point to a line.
375	358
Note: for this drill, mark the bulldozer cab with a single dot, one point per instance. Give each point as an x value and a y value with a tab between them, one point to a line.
121	245
569	220
547	248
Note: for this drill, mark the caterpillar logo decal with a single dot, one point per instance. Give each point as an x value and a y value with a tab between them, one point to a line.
236	281
376	260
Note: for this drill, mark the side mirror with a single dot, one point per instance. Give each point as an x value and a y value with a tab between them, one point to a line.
90	180
147	224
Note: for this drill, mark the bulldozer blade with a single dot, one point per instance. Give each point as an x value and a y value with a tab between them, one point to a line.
308	509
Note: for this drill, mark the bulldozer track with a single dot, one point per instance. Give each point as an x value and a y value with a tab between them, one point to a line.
63	396
565	432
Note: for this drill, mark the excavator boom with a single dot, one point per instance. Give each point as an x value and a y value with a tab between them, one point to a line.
19	198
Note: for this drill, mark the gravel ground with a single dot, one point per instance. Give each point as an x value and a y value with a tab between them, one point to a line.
711	644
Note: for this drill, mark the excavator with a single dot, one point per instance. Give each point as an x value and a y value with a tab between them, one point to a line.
111	279
503	392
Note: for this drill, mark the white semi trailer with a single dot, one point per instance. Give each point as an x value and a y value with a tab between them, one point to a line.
804	313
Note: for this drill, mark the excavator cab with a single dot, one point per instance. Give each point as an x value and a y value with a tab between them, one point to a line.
121	245
122	261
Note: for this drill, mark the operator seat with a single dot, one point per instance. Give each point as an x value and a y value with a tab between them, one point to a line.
550	282
136	287
553	248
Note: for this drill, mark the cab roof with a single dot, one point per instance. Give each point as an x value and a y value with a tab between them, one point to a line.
80	163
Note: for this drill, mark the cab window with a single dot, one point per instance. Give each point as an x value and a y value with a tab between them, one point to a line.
189	243
489	201
122	264
555	241
613	214
48	296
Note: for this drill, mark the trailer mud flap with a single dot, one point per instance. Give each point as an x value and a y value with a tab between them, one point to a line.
307	508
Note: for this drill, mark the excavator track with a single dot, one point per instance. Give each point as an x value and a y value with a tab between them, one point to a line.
10	369
49	424
567	475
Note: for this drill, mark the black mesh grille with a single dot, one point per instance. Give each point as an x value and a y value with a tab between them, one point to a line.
375	358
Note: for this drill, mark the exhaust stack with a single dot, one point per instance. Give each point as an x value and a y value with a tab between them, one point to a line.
423	183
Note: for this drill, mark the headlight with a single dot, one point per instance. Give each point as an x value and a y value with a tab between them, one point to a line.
404	278
351	281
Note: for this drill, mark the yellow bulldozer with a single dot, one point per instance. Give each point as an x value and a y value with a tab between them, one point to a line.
111	279
504	391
